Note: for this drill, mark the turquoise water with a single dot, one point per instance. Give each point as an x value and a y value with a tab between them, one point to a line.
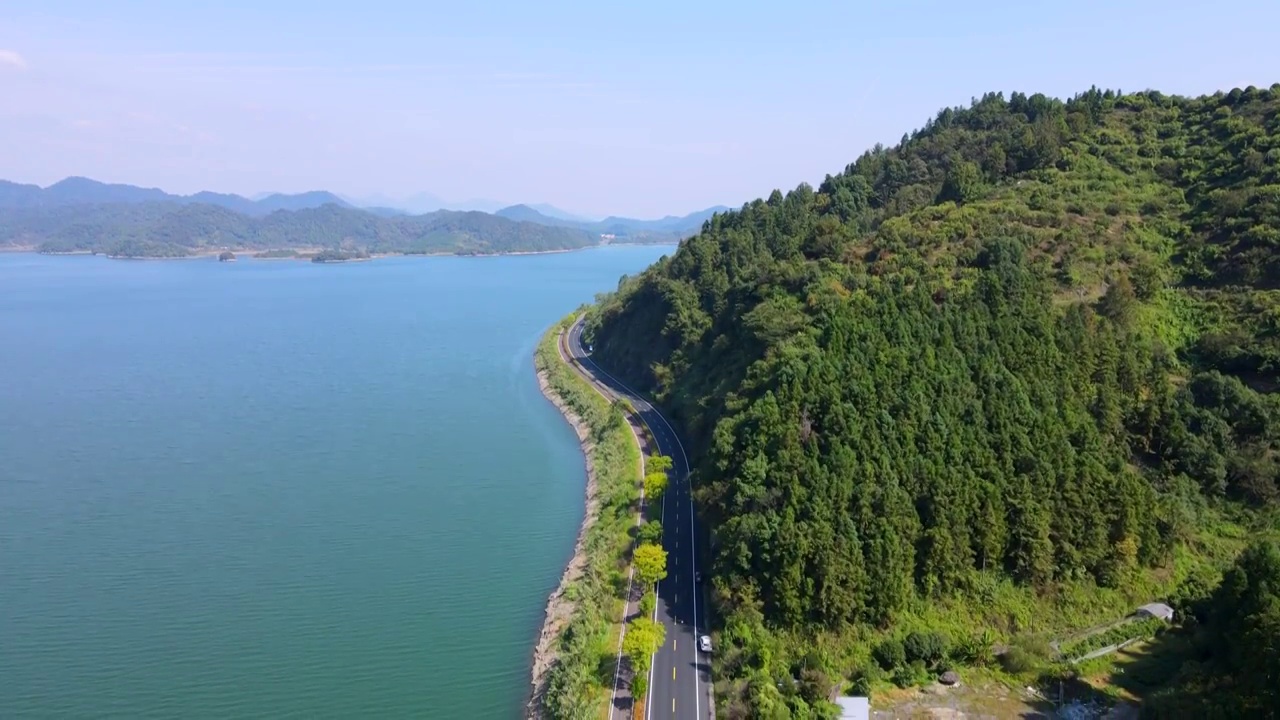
279	489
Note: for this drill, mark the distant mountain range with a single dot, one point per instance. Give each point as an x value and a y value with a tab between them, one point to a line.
83	191
552	211
82	215
670	228
85	215
426	202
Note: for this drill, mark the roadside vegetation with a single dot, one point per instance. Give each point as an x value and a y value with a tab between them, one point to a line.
978	392
580	683
644	634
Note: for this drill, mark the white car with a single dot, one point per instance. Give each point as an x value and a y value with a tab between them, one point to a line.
704	643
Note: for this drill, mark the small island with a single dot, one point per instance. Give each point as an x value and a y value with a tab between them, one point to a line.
339	256
227	256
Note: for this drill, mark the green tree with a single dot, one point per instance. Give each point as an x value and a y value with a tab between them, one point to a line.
651	563
963	183
641	641
1120	302
650	533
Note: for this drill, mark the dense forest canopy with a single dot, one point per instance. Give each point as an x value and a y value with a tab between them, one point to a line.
1236	672
1032	341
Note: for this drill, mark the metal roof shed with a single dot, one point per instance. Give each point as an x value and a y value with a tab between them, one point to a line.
1157	610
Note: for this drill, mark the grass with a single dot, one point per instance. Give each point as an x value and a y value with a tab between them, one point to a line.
576	684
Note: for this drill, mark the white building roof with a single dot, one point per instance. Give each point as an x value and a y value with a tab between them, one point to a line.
854	708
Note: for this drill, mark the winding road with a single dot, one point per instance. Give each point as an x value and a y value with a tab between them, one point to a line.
680	679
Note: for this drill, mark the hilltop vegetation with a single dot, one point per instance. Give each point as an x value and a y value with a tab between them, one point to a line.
1014	374
166	229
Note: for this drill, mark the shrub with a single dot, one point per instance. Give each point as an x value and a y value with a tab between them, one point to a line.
926	647
650	532
860	682
815	685
1025	655
975	649
911	675
890	654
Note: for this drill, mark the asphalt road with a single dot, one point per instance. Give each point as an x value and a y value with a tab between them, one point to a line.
680	681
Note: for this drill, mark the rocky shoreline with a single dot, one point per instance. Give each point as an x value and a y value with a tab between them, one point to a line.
559	608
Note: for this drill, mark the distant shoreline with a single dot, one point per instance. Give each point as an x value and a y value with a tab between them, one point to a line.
303	256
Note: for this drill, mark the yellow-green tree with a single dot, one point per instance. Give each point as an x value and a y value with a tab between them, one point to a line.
657	463
651	563
643	638
655	483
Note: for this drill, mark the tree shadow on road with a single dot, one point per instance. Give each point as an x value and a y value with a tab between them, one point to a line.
606	666
605	674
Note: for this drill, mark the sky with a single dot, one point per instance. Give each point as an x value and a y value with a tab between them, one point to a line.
641	109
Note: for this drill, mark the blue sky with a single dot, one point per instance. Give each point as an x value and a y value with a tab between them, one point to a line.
643	109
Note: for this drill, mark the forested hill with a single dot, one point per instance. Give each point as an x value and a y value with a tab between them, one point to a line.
1033	344
168	229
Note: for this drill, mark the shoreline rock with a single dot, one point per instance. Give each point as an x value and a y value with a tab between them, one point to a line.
559	608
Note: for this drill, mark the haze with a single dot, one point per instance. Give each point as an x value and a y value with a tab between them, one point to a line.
643	110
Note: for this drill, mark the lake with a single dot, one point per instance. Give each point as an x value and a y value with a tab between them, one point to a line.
282	489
